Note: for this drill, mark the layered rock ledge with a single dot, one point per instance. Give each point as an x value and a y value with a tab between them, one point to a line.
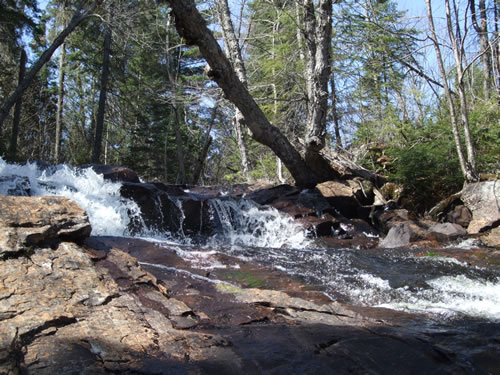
93	308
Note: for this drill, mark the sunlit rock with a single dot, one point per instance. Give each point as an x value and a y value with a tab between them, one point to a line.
30	221
483	200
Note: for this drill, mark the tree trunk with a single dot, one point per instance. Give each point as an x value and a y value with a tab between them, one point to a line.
99	126
77	18
496	49
456	41
234	54
17	111
202	156
484	45
335	114
454	121
181	172
60	104
318	40
192	27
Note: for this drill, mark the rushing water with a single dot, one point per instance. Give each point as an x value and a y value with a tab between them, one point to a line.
440	286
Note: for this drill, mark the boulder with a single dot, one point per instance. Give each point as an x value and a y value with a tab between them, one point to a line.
30	221
446	231
492	239
385	218
483	200
460	215
114	173
399	235
346	196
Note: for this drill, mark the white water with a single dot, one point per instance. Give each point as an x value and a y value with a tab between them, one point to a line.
246	223
108	212
441	286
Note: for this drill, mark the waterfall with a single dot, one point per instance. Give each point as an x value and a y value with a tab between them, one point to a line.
109	213
239	221
244	222
242	228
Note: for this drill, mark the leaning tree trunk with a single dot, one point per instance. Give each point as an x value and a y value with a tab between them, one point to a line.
17	111
192	27
77	18
99	125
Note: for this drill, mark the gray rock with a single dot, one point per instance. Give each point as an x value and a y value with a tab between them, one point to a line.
399	235
449	230
483	200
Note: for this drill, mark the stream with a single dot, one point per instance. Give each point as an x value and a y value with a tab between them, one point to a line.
444	289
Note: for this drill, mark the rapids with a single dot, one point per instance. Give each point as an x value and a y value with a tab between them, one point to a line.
442	288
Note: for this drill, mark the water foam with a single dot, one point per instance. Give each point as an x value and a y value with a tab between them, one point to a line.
244	222
109	213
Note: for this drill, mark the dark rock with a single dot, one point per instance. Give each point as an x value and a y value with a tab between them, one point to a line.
384	219
270	195
169	209
114	173
158	212
15	185
350	197
482	199
30	221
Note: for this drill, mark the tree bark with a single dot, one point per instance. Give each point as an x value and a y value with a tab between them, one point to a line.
456	40
60	104
101	110
234	54
79	15
192	27
468	175
318	37
17	111
335	114
484	45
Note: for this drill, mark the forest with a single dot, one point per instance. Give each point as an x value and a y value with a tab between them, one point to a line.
223	92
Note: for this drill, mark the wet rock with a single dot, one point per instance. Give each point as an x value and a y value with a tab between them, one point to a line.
30	221
482	199
114	173
15	185
158	212
168	209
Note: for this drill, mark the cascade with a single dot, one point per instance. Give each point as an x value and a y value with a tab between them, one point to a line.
109	213
390	278
244	222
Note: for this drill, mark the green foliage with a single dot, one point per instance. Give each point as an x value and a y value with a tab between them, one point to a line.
427	166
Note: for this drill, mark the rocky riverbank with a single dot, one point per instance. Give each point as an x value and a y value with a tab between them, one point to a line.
70	303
